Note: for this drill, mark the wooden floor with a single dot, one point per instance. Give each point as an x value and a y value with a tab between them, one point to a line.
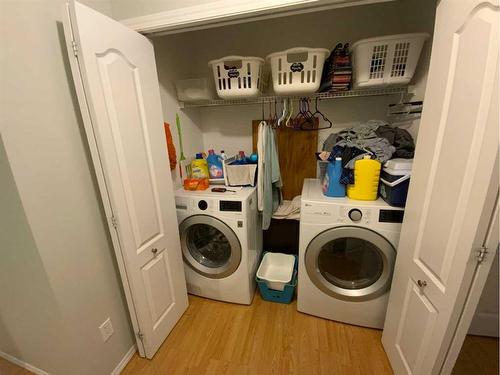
270	338
7	368
479	355
264	338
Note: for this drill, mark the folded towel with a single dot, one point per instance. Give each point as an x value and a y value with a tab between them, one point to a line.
288	209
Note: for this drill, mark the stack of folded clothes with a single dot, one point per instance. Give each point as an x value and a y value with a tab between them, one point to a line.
337	72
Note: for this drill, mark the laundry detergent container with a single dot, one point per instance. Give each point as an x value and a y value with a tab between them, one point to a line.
366	179
395	180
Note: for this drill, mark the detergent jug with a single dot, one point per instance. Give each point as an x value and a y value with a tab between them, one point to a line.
366	178
215	165
199	167
331	184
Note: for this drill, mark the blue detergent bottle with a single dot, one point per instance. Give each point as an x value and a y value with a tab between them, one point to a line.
215	169
332	186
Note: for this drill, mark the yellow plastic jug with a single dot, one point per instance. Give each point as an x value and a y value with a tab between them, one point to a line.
199	167
366	178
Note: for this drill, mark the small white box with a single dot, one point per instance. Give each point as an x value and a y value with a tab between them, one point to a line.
276	270
190	90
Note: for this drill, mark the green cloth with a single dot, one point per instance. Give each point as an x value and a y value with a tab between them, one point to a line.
272	177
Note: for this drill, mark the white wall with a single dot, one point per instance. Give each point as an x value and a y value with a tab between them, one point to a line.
229	128
61	250
175	60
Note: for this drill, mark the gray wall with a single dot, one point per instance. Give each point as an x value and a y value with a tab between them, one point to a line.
29	313
183	56
58	275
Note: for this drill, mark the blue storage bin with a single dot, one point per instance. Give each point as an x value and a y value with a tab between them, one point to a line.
285	296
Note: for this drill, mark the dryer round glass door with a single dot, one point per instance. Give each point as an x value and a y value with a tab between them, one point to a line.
350	263
209	246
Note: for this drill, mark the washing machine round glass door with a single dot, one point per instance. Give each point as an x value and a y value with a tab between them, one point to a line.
209	246
350	263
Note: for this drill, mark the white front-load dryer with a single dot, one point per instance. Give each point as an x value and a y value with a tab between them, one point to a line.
347	252
221	242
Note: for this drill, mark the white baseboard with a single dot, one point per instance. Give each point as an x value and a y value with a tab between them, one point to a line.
126	359
484	324
23	364
118	369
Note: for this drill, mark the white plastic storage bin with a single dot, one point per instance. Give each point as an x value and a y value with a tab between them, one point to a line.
195	89
386	60
276	269
237	77
297	70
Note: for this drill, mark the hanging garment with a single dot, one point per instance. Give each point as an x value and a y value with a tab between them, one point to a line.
260	166
270	174
172	155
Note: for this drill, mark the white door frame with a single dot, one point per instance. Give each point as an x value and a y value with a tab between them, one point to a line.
227	12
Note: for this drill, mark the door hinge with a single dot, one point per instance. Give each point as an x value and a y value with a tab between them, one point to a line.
481	254
114	222
140	336
74	45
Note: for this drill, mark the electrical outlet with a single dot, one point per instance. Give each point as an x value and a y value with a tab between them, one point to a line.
106	329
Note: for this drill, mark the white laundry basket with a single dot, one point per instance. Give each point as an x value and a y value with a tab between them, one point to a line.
237	77
297	70
387	60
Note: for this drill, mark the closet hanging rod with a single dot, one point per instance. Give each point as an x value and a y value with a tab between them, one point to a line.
320	96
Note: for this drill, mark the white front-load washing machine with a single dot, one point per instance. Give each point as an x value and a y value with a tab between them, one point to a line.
221	241
347	252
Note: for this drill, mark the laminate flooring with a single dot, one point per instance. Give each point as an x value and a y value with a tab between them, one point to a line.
264	338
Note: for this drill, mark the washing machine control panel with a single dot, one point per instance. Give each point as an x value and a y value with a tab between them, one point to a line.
350	215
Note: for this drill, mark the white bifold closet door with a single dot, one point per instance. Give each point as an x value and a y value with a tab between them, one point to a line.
453	191
116	81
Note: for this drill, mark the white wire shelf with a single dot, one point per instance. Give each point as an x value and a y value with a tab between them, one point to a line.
320	96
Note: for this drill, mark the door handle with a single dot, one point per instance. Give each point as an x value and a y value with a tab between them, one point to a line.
421	283
154	250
